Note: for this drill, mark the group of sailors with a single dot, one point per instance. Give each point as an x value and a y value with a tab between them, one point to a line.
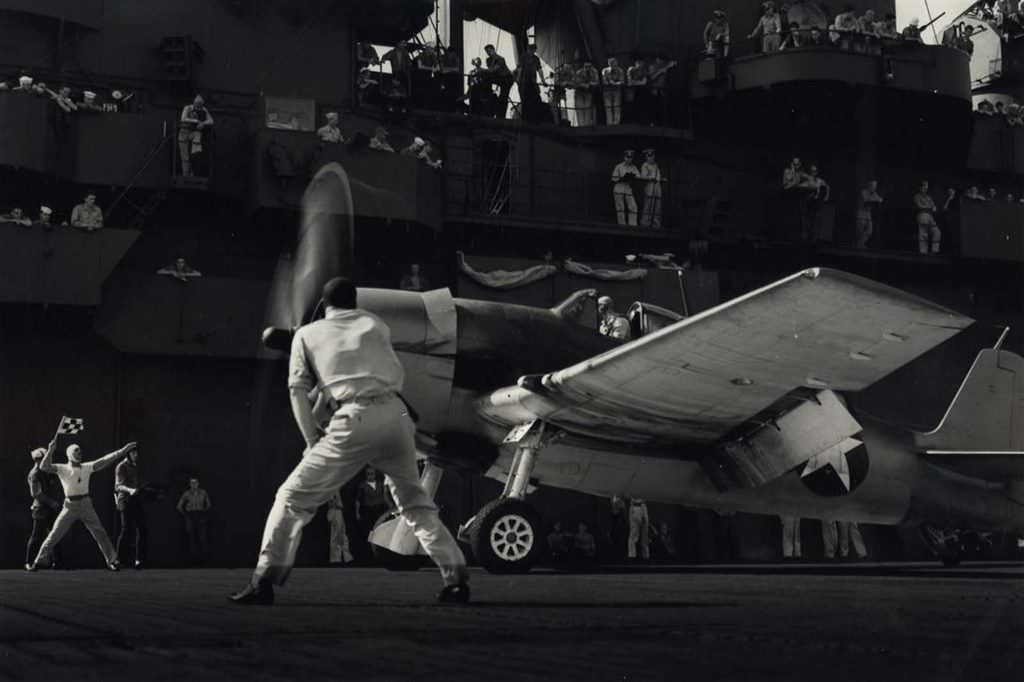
776	31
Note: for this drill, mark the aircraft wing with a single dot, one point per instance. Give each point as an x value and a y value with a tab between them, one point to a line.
701	377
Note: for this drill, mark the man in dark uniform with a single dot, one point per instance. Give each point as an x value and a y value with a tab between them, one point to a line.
348	357
501	76
44	489
129	507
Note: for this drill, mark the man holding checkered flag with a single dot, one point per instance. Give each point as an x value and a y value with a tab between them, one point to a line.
74	478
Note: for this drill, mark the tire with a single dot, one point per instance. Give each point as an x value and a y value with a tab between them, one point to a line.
393	561
506	536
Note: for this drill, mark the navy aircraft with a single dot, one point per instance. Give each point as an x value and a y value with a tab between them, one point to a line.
742	407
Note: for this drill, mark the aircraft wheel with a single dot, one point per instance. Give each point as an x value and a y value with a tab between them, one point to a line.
393	561
506	536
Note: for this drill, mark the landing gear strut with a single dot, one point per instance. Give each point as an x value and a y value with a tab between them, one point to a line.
506	533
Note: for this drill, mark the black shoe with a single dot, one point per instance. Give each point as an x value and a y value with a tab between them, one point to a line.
114	566
454	594
261	594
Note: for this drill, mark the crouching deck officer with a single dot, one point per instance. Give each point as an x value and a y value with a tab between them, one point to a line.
348	355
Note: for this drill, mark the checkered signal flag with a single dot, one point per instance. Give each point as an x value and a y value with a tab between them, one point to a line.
71	425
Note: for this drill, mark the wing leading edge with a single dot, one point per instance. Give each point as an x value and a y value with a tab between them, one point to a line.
697	379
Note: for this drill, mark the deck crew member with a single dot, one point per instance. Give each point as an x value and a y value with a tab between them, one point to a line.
337	543
348	355
74	478
791	537
639	530
193	505
45	505
839	534
129	506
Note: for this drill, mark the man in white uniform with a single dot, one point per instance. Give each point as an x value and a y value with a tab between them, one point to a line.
622	191
348	356
639	530
74	477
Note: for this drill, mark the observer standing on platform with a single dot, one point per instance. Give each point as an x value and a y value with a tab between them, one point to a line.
348	355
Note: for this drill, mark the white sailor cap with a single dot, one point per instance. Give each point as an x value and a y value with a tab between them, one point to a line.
89	94
332	115
25	81
419	141
604	300
45	210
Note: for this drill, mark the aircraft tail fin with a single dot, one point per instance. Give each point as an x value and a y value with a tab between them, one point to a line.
987	412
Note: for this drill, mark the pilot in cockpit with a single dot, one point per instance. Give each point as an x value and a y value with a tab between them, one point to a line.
610	323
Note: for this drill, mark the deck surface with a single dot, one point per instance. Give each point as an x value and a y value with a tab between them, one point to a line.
858	622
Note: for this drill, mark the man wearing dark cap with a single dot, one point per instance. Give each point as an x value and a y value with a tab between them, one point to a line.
129	508
348	357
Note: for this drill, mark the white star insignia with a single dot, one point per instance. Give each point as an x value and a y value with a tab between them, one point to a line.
834	457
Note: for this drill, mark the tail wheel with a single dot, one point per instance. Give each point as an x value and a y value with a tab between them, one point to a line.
393	561
505	536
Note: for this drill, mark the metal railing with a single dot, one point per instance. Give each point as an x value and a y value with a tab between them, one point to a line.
556	198
469	94
807	38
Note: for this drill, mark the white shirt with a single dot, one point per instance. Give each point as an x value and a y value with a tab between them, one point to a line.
74	479
622	169
615	326
348	353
